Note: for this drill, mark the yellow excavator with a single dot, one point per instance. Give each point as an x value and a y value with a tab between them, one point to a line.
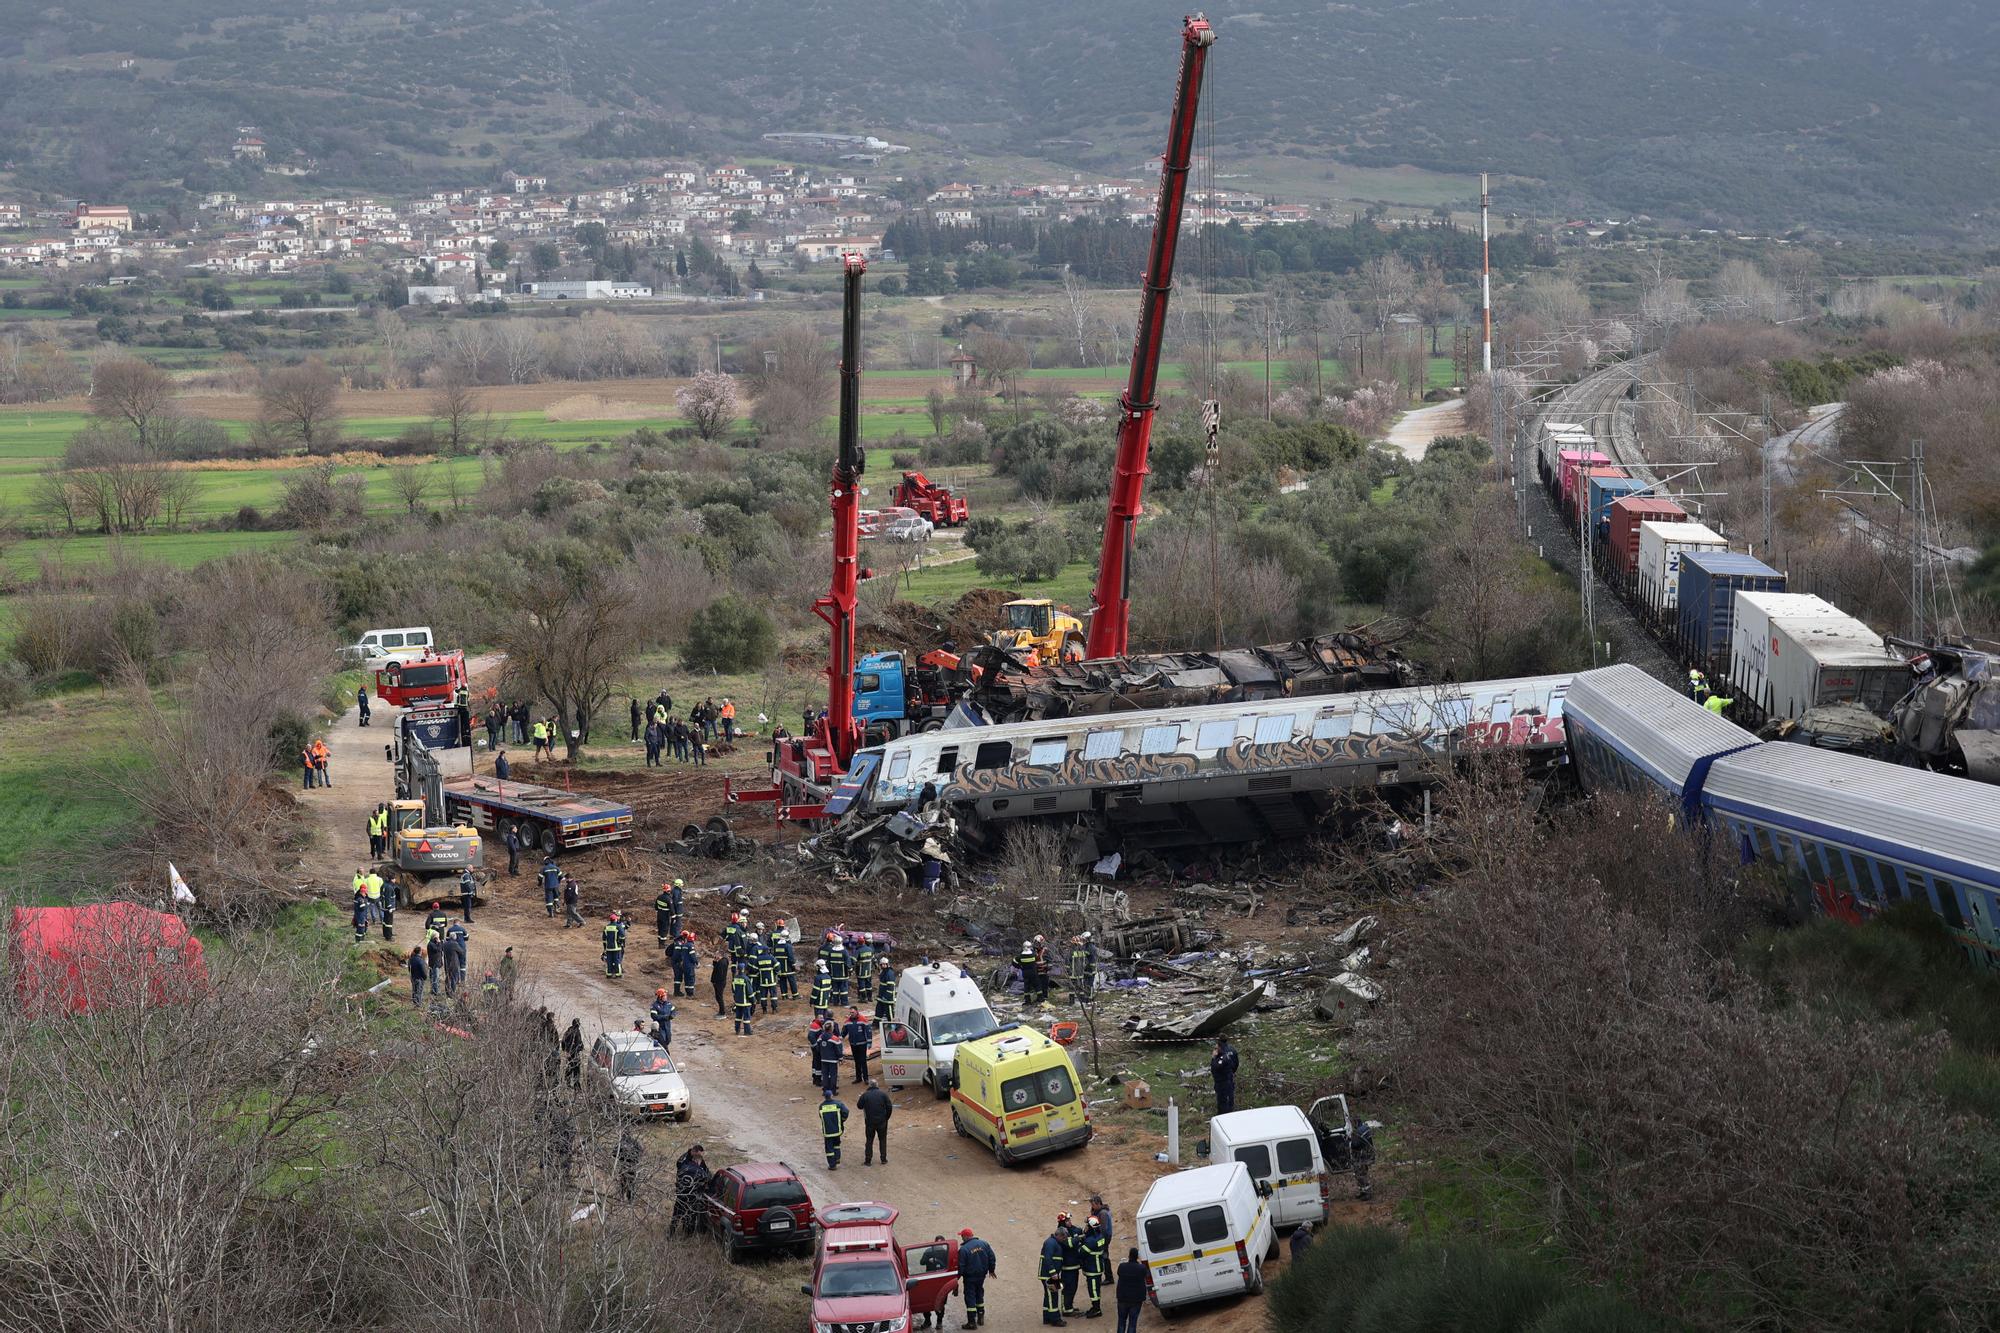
1034	624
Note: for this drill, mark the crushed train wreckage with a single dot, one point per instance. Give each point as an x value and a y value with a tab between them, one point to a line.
1187	775
1001	686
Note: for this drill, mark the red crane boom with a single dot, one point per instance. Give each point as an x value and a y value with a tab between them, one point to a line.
1111	600
838	733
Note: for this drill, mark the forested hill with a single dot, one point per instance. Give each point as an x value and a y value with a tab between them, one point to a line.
1847	113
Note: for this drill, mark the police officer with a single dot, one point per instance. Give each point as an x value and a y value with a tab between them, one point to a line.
1096	1247
663	1018
468	888
551	886
788	963
885	989
1025	960
614	952
1051	1275
1072	1261
1222	1068
767	977
836	967
832	1122
864	972
663	917
743	999
829	1059
822	990
976	1263
859	1036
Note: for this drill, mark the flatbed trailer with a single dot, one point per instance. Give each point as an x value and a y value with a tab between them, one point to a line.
551	820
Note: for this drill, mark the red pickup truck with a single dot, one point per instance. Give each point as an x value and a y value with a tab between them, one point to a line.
864	1278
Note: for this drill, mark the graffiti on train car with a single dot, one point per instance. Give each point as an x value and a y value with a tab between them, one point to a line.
1521	730
970	783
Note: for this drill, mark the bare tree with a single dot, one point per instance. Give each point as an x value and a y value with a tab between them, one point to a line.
1554	301
938	409
1076	305
178	489
518	346
1003	361
455	407
1388	282
708	403
55	496
572	640
793	377
126	389
412	481
302	404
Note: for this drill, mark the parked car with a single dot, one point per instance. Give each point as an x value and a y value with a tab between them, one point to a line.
863	1278
760	1206
637	1073
1205	1233
912	529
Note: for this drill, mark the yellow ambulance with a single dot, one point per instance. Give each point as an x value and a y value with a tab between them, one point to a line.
1017	1092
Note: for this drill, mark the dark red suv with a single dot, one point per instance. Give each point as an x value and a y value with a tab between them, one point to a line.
760	1206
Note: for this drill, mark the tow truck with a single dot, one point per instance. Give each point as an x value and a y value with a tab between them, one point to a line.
863	1278
932	500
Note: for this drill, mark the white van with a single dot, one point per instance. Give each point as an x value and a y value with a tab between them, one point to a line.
938	1005
1205	1233
1279	1147
379	646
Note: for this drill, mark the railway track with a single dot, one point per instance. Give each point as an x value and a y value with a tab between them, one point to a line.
1598	402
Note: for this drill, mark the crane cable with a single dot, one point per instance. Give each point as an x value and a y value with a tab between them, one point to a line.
1207	304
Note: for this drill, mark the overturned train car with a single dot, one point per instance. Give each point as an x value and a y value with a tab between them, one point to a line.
1202	773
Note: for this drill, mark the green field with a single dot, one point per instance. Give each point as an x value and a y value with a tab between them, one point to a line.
184	549
51	803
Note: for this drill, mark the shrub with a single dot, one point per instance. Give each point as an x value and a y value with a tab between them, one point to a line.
17	684
729	635
1323	1289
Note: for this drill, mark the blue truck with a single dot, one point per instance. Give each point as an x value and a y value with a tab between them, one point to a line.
894	696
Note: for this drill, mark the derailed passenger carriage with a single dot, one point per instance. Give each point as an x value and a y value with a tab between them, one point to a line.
1217	773
1854	834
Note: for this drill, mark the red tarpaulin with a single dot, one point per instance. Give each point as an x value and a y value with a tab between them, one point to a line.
103	956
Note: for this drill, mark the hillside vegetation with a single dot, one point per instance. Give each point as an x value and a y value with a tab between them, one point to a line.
1844	113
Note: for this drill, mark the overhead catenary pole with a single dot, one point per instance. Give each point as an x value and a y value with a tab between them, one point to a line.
1111	599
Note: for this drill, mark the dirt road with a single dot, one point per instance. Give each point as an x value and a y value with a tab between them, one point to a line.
1412	435
753	1092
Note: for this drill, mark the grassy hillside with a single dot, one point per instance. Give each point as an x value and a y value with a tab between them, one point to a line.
1847	112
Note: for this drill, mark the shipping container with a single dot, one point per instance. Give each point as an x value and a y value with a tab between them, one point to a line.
1790	653
1603	490
1710	581
1572	460
1626	516
1660	548
1580	492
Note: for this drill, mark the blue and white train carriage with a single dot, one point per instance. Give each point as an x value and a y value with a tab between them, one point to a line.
1861	833
1212	773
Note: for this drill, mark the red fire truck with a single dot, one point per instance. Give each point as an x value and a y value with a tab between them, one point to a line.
434	678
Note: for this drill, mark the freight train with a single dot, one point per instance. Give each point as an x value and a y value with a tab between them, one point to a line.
1781	657
1857	834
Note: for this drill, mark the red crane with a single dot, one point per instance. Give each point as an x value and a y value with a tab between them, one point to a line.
808	766
1111	601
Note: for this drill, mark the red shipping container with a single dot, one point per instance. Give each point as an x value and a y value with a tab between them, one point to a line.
1572	459
1626	516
